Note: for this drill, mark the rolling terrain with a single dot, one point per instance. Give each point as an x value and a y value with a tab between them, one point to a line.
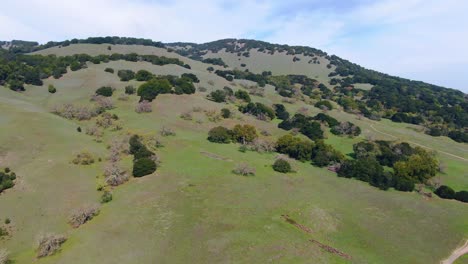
193	208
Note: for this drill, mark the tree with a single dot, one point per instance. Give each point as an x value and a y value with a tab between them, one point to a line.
462	196
243	95
219	134
149	90
218	96
129	89
324	104
126	75
143	75
281	112
418	168
190	76
445	192
105	91
143	167
109	70
295	147
226	113
244	133
51	89
184	86
282	165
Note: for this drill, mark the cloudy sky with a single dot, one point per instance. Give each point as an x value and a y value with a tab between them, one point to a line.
417	39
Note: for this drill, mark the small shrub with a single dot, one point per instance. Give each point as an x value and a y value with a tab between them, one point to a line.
243	148
165	132
83	215
49	244
51	89
129	89
143	107
186	116
109	70
462	196
115	175
219	134
445	192
83	158
225	113
4	256
202	89
78	129
7	221
3	232
106	197
282	166
244	170
105	91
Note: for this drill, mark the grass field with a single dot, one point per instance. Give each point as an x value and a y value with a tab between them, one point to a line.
194	209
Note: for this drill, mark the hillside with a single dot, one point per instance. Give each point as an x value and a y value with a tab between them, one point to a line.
193	208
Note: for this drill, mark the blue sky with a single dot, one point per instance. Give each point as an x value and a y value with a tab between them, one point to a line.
416	39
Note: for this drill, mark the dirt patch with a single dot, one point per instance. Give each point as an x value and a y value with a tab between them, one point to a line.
456	254
214	156
327	248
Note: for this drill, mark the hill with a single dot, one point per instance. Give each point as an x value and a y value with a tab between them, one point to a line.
193	208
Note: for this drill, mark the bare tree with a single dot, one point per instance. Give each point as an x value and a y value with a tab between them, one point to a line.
4	256
244	169
49	244
83	215
143	107
114	174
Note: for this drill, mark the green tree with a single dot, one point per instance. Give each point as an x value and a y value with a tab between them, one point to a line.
143	166
219	134
149	90
282	165
143	75
418	168
51	89
105	91
445	192
244	133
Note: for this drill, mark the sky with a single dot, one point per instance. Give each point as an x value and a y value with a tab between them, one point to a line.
423	40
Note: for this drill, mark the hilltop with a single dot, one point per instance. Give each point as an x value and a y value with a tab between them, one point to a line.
172	149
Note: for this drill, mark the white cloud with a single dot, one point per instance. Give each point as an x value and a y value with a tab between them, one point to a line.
412	38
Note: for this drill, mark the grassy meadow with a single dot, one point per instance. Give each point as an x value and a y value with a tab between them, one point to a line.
194	209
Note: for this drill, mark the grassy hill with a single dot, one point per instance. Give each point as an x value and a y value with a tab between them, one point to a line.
193	208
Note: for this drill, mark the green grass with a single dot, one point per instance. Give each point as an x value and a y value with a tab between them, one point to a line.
194	209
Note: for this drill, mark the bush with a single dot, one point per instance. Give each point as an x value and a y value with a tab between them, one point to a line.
326	105
243	169
143	75
143	107
49	244
282	166
243	95
52	89
190	76
83	215
129	89
166	131
143	167
219	135
106	197
258	109
462	196
225	113
105	91
6	179
78	129
83	158
109	70
281	112
346	128
115	176
4	257
126	75
445	192
149	90
218	96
